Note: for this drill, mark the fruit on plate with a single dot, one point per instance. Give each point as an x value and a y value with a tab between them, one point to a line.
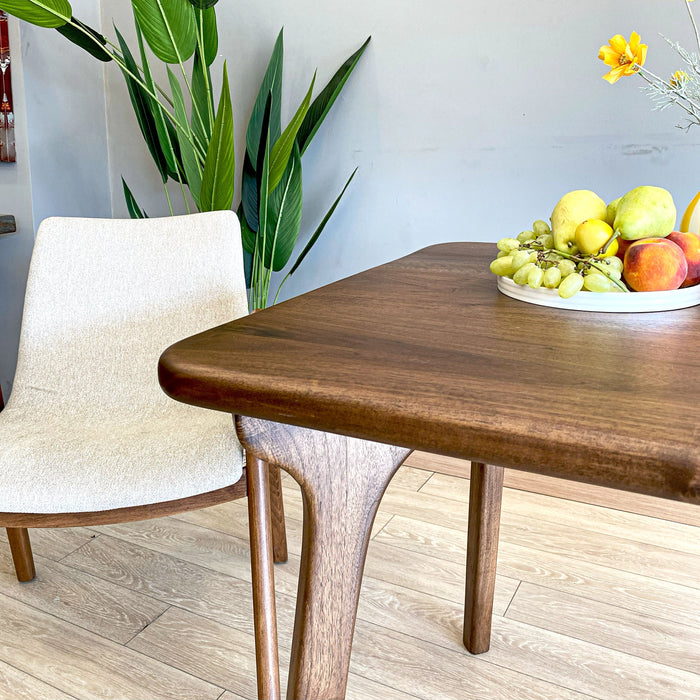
531	259
690	245
654	265
573	208
591	237
611	211
645	212
691	217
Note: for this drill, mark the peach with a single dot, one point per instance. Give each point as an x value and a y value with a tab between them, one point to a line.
623	245
654	265
689	243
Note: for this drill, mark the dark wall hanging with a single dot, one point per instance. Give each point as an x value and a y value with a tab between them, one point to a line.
7	116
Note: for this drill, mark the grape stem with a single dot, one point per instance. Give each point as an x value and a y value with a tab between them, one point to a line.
609	241
588	261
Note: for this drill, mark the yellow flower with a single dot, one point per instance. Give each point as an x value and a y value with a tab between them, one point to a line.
679	78
624	58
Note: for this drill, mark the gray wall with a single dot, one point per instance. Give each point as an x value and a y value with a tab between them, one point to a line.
467	119
62	158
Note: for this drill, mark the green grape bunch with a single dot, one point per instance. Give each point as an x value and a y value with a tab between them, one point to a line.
531	259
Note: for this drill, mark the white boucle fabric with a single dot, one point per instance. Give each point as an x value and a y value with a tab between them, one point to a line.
87	426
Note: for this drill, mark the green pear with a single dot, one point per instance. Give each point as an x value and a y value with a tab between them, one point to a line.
571	210
645	212
612	211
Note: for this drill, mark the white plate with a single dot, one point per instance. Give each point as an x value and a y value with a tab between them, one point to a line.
617	302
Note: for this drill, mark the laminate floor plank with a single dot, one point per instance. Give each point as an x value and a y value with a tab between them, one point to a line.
617	523
53	543
86	665
430	671
587	545
198	545
173	581
17	685
663	641
560	572
74	596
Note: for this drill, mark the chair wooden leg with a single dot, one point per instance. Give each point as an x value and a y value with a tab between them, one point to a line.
21	549
485	492
279	531
264	610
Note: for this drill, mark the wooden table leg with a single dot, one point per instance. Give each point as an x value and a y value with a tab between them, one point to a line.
485	492
342	481
263	575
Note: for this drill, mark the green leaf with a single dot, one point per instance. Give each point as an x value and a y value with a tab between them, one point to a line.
249	195
220	163
203	4
272	82
43	13
168	26
135	211
207	18
201	99
247	235
165	136
76	32
321	226
323	103
263	170
187	152
141	102
282	149
284	215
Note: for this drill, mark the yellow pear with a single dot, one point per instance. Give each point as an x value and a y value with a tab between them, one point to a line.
572	209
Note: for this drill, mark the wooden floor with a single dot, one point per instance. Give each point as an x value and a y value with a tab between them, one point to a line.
591	602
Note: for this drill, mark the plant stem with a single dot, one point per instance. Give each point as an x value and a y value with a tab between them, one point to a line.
695	26
167	196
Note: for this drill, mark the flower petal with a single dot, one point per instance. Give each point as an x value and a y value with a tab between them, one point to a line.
618	43
609	56
634	41
615	74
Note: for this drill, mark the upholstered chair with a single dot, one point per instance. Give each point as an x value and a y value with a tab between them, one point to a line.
87	436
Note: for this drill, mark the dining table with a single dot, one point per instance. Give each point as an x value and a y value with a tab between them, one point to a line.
338	385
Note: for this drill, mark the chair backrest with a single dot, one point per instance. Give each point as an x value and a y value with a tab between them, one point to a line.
105	297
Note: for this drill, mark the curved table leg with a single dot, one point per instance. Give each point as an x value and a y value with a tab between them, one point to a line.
342	481
485	492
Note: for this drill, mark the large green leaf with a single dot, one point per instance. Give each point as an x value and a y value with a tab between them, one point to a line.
321	226
249	194
322	104
284	215
206	26
263	170
43	13
220	163
271	83
202	102
282	149
135	211
189	157
141	102
247	236
166	137
168	26
87	38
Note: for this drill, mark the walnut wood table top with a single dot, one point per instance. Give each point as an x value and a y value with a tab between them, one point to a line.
425	353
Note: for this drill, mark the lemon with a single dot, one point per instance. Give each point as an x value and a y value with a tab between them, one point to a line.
591	235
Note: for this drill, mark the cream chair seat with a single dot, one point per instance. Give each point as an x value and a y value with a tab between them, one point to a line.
87	435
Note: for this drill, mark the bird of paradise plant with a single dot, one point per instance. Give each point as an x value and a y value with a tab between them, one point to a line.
197	150
682	88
